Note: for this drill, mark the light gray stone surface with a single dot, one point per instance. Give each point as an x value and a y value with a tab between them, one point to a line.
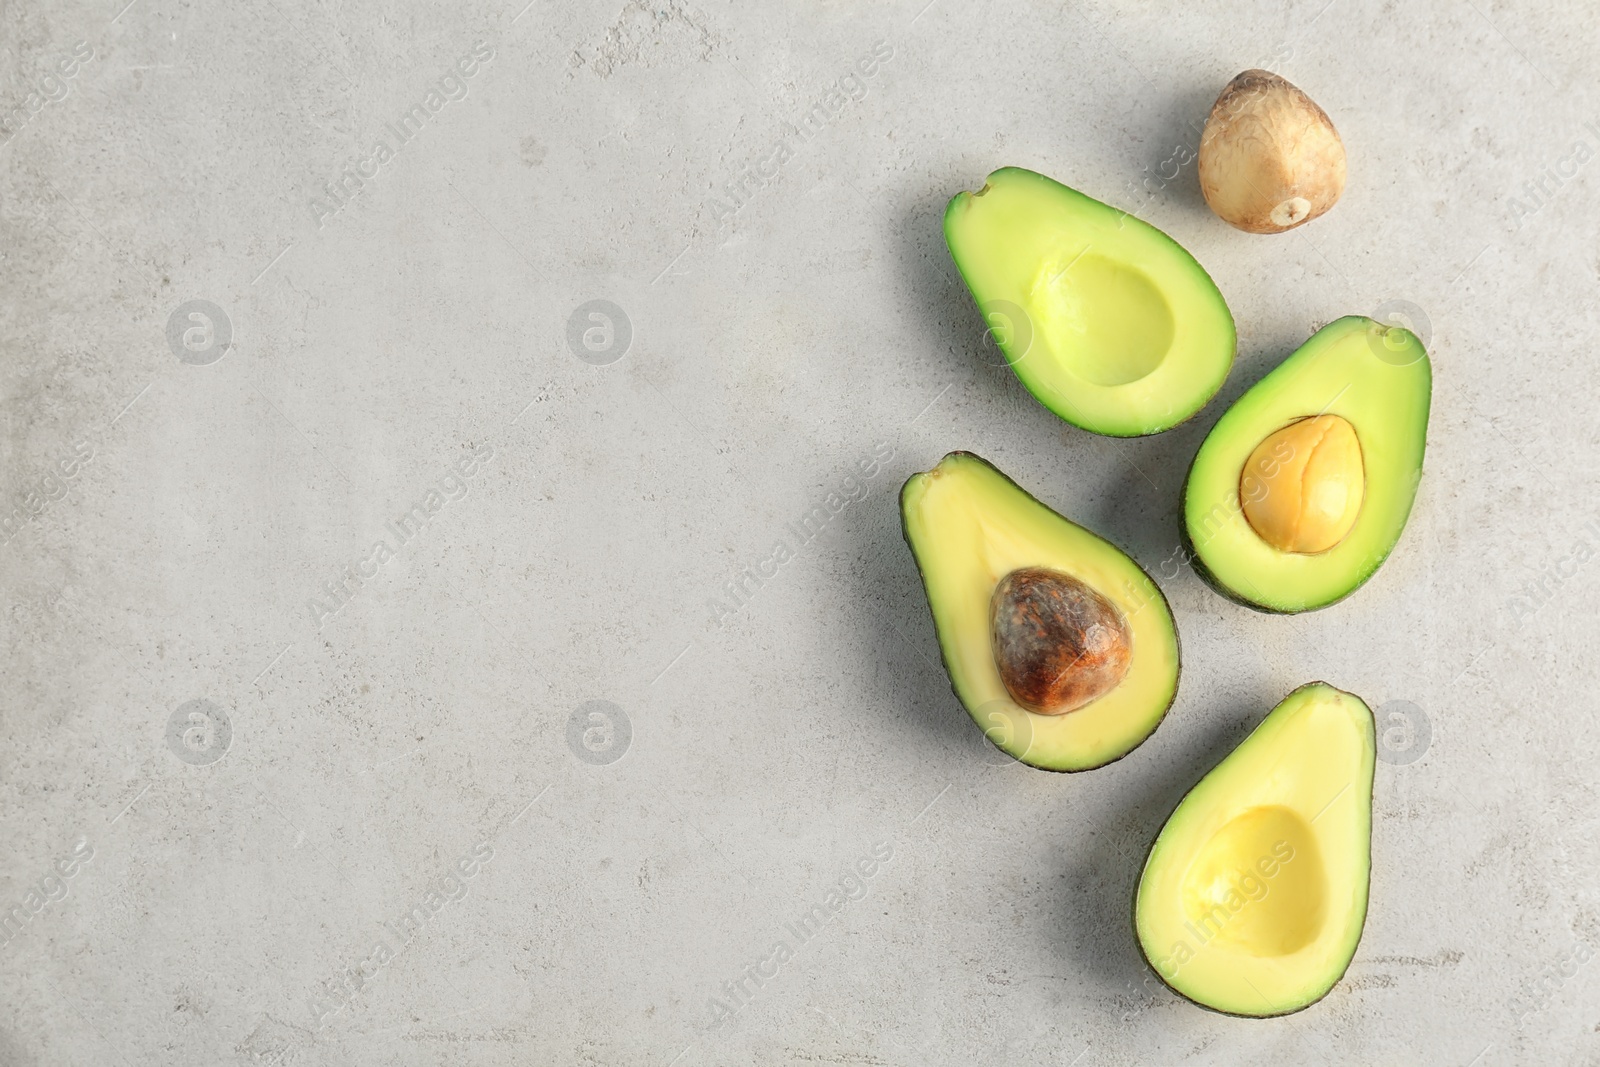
772	351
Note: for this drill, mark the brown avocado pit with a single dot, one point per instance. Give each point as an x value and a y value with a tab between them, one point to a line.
1058	644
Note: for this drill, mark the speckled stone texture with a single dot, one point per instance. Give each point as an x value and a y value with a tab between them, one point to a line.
454	605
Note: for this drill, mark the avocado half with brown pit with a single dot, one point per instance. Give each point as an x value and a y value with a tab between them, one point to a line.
1059	645
1302	489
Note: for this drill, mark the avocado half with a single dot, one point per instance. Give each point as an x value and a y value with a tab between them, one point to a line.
969	527
1254	895
1106	320
1379	380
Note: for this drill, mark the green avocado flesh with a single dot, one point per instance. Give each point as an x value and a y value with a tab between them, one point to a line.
1379	380
1106	320
1254	895
969	526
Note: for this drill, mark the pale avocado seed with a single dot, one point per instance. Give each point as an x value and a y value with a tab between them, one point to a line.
1302	487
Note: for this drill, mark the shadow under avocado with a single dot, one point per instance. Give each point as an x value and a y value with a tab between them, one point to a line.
1144	519
899	620
955	335
1175	174
1095	922
899	624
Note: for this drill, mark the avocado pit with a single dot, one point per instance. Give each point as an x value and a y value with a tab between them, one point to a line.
1058	644
1302	487
1270	159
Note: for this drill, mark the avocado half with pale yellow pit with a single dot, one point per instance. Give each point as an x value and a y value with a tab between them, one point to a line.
1058	644
1254	895
1303	487
1106	320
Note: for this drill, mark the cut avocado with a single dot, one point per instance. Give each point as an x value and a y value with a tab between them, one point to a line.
1003	572
1322	454
1106	320
1255	893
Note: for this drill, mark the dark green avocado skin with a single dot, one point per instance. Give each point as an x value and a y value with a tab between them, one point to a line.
1133	902
1177	637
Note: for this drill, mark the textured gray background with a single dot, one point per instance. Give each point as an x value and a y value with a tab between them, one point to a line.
771	351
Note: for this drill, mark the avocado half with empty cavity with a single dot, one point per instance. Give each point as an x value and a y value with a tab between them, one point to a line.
1254	895
1106	320
1303	487
1058	644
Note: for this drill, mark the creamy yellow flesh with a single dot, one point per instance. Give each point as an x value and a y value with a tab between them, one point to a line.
970	526
1377	380
1120	332
1255	893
